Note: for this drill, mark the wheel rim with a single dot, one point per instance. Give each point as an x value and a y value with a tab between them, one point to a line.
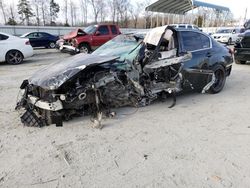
15	57
219	79
84	50
52	45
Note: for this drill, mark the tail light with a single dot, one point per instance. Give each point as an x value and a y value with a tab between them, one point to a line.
27	42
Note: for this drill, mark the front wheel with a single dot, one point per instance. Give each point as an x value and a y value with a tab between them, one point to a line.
84	48
220	79
14	57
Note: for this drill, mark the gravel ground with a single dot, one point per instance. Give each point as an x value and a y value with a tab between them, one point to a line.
202	142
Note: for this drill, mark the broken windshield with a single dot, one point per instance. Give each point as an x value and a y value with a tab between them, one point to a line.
120	46
90	29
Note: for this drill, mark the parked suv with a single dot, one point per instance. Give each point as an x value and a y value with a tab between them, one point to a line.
88	39
242	46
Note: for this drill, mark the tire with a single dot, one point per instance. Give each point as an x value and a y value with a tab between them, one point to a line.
14	57
84	48
52	45
240	62
220	79
229	41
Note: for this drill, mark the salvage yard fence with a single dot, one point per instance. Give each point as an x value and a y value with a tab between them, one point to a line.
20	30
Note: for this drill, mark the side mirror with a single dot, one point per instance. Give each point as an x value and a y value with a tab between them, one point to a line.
97	33
233	32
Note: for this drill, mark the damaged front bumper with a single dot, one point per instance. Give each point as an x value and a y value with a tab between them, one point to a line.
69	49
39	112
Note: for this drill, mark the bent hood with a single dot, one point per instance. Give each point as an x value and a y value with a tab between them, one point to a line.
53	76
72	34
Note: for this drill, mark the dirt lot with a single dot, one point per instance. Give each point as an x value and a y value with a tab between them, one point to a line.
202	142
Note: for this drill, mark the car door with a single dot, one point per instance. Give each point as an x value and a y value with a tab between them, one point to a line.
3	46
197	70
33	38
43	39
101	35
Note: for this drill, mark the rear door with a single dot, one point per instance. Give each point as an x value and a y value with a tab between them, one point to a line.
101	35
3	46
197	69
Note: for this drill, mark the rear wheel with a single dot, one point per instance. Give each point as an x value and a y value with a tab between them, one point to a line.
84	48
52	45
220	79
14	57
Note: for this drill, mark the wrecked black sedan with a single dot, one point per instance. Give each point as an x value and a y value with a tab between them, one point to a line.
125	71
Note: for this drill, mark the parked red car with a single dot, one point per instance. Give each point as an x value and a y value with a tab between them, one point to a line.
88	39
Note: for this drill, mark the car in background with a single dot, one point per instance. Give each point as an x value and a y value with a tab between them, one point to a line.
227	36
89	39
242	46
185	26
41	39
14	49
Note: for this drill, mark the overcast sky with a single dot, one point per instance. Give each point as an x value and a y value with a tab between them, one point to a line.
237	7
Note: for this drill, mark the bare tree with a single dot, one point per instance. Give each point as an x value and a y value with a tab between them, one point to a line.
122	12
2	7
135	12
66	12
84	10
36	4
72	12
97	6
147	14
113	9
44	6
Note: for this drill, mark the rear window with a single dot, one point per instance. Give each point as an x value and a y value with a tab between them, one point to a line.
114	30
3	37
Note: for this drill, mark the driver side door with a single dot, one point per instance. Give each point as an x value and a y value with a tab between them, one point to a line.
101	36
196	70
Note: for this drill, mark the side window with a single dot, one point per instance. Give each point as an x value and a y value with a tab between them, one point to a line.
191	41
205	41
194	41
3	37
114	30
33	35
103	30
42	35
189	26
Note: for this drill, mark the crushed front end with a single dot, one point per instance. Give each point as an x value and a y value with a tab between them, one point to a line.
42	106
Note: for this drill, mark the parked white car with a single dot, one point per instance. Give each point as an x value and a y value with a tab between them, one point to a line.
227	36
14	49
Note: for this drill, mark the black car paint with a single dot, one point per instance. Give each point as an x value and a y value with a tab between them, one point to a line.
242	48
